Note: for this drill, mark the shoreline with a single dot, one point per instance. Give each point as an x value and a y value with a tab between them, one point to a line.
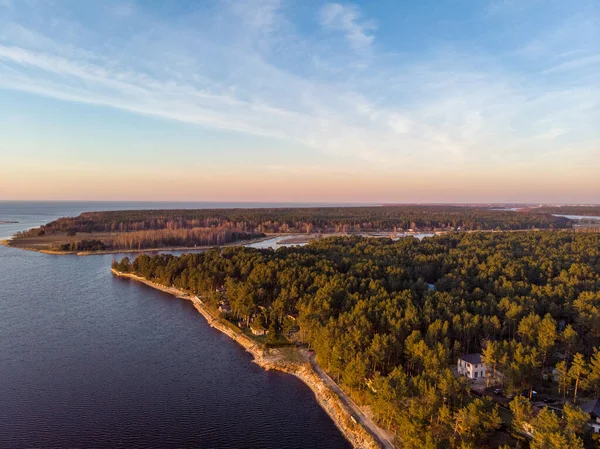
346	417
7	243
290	239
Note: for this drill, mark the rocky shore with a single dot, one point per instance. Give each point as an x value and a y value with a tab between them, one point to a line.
350	423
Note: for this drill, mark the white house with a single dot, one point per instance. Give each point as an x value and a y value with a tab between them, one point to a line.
471	366
593	408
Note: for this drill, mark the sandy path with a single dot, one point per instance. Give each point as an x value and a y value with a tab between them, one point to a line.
383	437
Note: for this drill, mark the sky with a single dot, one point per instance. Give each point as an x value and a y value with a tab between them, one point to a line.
277	100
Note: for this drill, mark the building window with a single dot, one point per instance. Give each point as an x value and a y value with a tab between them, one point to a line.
475	373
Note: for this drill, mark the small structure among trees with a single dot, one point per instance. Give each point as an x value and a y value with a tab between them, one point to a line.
471	366
547	429
257	327
593	409
224	306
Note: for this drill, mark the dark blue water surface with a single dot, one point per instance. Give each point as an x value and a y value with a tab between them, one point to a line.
88	360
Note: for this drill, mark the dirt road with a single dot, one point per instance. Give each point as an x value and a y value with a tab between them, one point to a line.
383	437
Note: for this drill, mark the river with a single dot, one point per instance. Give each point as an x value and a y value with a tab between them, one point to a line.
588	218
91	360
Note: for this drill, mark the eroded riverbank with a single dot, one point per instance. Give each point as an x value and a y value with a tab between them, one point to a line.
347	416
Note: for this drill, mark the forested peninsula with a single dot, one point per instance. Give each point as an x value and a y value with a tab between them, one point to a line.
314	219
388	321
152	229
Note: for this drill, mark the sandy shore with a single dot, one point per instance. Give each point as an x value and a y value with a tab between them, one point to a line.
359	430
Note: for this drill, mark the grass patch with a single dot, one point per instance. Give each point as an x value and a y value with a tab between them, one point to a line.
230	325
291	355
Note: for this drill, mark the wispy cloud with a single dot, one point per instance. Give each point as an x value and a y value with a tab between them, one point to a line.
577	63
453	109
347	19
260	14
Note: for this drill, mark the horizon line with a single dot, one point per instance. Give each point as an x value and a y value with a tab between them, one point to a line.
366	203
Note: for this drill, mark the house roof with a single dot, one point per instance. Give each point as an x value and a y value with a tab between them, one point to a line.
473	359
592	407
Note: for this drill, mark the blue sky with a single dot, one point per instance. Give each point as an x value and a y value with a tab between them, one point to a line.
281	100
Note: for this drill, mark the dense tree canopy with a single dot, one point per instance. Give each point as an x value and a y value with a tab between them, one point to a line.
322	219
388	318
163	238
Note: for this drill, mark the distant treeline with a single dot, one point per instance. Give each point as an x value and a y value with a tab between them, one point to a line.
569	210
304	220
163	238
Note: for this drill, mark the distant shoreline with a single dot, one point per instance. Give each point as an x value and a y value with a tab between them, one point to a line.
357	432
132	230
8	242
289	239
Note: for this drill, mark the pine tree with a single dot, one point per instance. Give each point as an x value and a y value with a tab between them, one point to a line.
564	381
593	379
578	373
547	336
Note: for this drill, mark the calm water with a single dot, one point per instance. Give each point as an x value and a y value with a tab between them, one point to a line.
90	360
580	217
274	243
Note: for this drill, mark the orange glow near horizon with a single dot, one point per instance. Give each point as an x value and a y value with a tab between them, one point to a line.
274	186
